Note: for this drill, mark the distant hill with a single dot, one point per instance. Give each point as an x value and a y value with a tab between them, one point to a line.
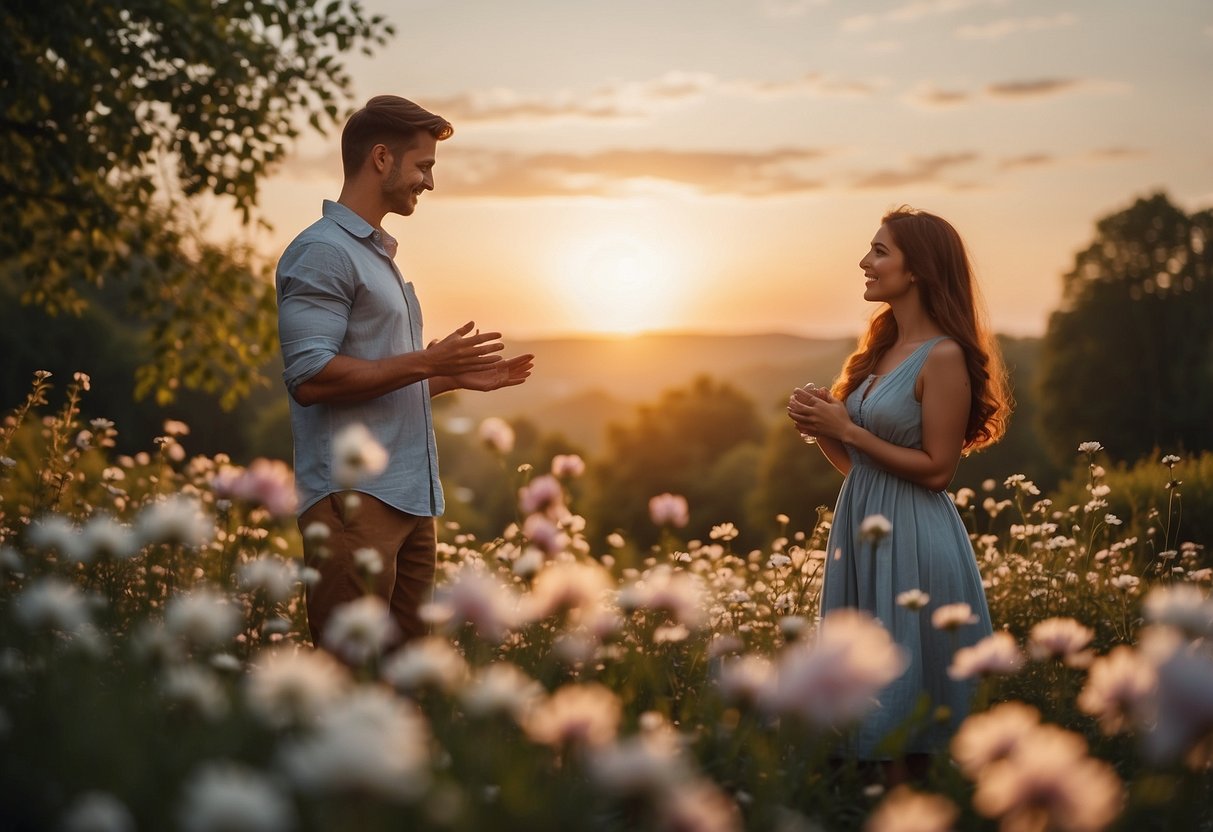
580	385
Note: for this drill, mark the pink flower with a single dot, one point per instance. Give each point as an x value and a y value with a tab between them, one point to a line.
567	465
542	494
583	715
266	482
905	810
952	616
1058	638
669	510
1119	689
997	654
497	434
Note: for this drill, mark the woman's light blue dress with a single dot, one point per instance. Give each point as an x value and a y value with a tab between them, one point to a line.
928	549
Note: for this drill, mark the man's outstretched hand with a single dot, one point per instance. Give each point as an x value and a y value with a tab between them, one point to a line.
464	351
508	372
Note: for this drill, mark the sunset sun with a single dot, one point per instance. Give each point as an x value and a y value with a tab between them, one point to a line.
619	284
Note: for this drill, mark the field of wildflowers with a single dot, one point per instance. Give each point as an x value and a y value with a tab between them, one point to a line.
154	674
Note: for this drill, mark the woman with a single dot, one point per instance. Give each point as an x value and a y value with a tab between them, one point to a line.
925	385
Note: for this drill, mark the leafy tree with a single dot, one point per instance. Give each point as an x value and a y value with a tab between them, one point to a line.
118	118
1128	359
676	445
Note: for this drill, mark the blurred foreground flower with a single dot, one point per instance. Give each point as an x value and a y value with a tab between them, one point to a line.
995	655
669	510
905	810
357	456
266	482
228	797
578	715
292	686
497	435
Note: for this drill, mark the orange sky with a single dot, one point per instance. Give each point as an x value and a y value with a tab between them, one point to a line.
720	165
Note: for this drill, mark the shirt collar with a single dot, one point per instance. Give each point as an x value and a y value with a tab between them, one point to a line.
358	227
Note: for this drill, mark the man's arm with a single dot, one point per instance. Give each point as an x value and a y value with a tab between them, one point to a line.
346	379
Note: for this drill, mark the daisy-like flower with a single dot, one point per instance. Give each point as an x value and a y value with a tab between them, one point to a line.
662	588
585	715
995	655
833	681
745	679
429	662
371	742
906	810
724	531
1089	448
266	482
669	510
53	604
477	598
176	521
953	616
566	586
229	797
875	528
497	435
202	617
1049	782
1119	689
360	630
567	466
501	688
913	599
992	735
287	687
271	575
1183	715
1059	638
357	456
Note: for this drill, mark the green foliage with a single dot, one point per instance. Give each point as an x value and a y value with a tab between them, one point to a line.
673	446
1127	359
116	118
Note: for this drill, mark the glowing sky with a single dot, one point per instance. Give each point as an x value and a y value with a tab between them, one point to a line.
720	165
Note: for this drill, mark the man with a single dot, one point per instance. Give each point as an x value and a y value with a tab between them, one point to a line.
350	328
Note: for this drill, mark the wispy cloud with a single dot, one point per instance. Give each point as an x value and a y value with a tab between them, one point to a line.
634	99
790	8
1100	155
920	170
928	96
998	29
482	172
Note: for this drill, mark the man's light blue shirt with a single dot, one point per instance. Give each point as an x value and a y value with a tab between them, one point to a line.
339	291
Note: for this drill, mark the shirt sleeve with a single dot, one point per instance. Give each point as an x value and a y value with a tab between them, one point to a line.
316	288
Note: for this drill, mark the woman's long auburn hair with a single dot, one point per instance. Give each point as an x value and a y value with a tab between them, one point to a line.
936	256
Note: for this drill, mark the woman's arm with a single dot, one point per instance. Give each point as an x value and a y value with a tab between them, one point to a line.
945	395
833	450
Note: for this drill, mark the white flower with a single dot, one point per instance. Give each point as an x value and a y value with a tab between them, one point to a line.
425	662
97	811
992	735
357	456
953	616
497	434
676	592
669	510
176	521
271	575
700	806
360	630
287	687
833	680
1184	706
501	688
1089	448
875	528
1118	689
477	598
202	617
371	742
566	586
745	679
649	763
368	561
1048	781
104	538
1184	606
723	531
585	715
53	604
996	654
1058	638
229	797
54	532
905	810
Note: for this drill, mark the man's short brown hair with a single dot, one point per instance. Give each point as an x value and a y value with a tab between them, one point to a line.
389	120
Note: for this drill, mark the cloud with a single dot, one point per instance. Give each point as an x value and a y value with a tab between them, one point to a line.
928	96
630	100
921	170
998	29
1097	156
481	172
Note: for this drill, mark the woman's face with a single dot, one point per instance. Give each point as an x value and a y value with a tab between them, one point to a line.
884	268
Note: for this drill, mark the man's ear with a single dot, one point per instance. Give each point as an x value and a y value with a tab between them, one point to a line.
381	157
